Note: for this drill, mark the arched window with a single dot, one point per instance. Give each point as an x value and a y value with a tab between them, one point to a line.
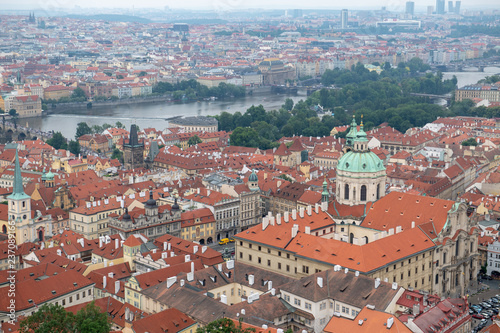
378	191
4	229
346	192
363	192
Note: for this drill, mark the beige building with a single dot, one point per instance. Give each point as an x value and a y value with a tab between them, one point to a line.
25	105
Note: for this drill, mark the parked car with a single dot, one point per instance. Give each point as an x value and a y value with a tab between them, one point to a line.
486	315
478	316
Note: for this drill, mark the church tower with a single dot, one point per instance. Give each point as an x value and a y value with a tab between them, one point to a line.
19	207
253	181
361	174
133	151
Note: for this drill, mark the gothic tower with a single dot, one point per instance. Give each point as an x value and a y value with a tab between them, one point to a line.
133	151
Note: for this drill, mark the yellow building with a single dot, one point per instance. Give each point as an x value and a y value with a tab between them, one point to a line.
198	225
57	92
26	106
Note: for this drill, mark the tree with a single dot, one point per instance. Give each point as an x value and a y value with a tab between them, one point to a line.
74	147
469	142
119	125
53	318
58	141
288	104
48	319
117	154
78	93
245	137
90	319
142	73
194	140
224	325
82	129
12	112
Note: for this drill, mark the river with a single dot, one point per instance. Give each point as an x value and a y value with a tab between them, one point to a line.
149	115
153	115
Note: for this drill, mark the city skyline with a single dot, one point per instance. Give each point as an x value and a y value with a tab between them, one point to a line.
234	4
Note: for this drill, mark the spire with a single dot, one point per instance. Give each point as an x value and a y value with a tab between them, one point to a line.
133	140
18	190
352	132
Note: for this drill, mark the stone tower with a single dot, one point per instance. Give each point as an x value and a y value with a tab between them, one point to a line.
133	151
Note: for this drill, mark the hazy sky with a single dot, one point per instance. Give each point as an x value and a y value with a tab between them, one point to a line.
396	5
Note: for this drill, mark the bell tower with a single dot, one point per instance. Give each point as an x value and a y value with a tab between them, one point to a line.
19	206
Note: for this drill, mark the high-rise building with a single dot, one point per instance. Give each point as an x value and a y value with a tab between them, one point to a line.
457	7
440	7
410	8
430	9
450	7
344	15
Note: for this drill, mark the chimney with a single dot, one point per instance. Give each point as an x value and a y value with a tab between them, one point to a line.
412	224
117	287
286	217
100	242
164	255
187	258
171	281
271	220
164	246
394	285
104	282
251	279
390	322
301	212
337	268
319	281
356	273
346	270
416	309
230	264
295	229
59	252
190	276
377	283
308	230
169	246
182	283
278	218
324	206
294	214
316	208
265	222
391	231
195	248
398	229
110	274
309	210
203	249
270	285
192	266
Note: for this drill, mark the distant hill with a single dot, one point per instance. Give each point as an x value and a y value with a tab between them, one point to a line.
111	18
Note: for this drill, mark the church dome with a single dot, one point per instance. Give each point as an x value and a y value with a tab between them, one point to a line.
151	202
253	177
50	175
360	162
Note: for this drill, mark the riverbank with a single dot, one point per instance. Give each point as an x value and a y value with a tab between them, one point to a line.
250	91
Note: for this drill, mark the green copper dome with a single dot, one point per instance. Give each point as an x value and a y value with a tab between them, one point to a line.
253	177
360	161
50	175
